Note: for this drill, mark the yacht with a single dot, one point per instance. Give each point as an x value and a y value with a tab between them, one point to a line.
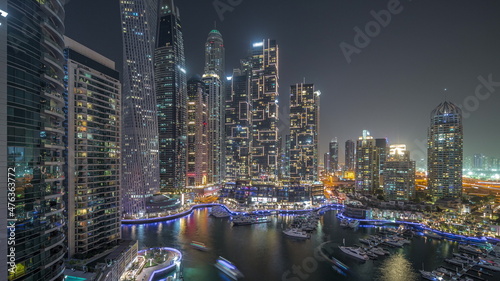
491	265
354	252
393	243
344	223
430	275
297	233
353	223
199	246
431	234
228	268
470	249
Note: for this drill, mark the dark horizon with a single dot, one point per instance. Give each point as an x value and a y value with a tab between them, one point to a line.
389	87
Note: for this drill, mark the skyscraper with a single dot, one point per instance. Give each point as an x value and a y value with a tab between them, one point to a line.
399	174
367	164
326	162
445	151
304	132
197	133
32	115
350	155
264	115
334	155
383	150
214	89
238	126
93	161
171	97
214	79
140	126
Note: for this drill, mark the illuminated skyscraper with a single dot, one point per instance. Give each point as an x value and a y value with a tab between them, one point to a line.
197	129
264	114
445	151
367	164
238	126
304	132
350	155
94	111
399	174
334	155
32	116
214	80
140	126
171	97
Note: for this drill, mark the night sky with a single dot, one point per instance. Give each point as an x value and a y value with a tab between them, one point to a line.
390	86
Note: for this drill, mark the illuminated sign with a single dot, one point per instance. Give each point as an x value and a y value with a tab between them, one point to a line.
3	13
258	44
397	149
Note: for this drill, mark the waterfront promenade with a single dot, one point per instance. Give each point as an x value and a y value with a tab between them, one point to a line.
320	208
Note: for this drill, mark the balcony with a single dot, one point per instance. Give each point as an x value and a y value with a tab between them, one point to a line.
54	111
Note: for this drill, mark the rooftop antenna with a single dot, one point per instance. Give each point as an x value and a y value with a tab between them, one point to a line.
215	24
304	80
445	89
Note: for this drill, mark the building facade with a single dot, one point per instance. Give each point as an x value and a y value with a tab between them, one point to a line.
197	133
350	155
304	133
32	116
214	78
238	128
93	159
171	98
445	151
367	164
334	155
399	174
264	114
140	127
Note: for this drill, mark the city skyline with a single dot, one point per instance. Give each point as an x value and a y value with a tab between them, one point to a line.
394	69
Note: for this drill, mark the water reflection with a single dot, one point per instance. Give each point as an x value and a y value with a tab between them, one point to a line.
397	268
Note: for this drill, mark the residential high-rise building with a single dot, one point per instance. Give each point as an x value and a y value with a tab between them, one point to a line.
32	116
367	164
383	149
350	155
399	174
445	151
171	97
238	126
326	162
334	155
140	127
93	158
214	78
479	161
214	89
304	132
197	133
264	114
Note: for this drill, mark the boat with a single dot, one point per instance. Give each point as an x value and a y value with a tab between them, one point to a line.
353	223
378	251
199	246
430	275
470	249
354	252
339	264
248	220
338	270
445	271
456	261
297	233
228	268
491	265
431	234
344	223
365	241
393	243
220	212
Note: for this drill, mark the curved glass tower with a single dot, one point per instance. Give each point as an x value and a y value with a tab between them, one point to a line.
445	151
35	108
140	126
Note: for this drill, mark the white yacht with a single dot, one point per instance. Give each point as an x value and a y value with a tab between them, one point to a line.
353	223
228	268
354	252
297	233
